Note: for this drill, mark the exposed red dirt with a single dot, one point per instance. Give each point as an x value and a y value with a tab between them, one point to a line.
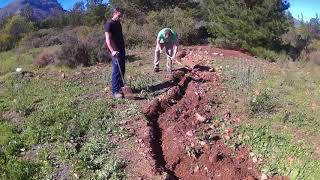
176	118
180	140
193	55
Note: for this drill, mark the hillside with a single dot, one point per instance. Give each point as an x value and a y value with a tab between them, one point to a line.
41	9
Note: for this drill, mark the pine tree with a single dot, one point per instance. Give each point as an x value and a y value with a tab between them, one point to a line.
247	23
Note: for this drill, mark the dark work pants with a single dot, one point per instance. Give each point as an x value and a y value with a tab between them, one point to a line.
117	82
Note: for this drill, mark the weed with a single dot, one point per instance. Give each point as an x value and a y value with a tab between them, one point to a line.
262	103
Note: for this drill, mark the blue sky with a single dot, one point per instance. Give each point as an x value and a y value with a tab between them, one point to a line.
308	7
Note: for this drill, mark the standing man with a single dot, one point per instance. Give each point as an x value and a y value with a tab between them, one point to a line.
167	39
116	47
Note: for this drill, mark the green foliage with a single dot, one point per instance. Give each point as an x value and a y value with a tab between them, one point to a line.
14	30
179	20
15	169
83	50
11	167
265	53
283	156
11	60
262	103
97	156
247	24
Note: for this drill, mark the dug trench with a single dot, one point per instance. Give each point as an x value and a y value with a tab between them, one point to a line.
184	141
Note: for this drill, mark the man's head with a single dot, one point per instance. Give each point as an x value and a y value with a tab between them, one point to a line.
167	33
117	14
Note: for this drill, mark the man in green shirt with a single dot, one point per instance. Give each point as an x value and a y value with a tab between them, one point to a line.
167	40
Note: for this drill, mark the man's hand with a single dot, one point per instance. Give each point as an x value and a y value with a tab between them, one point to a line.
114	53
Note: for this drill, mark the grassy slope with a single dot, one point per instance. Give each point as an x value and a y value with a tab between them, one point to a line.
56	116
283	103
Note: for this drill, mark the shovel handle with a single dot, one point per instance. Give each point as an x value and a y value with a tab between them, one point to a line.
117	61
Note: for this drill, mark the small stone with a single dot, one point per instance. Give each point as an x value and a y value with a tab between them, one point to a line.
18	69
189	133
251	154
230	130
196	169
255	159
200	118
76	175
202	143
226	137
22	150
63	75
264	177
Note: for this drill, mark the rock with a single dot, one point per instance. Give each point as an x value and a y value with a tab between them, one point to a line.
200	118
229	130
215	54
76	175
196	169
18	69
202	143
226	137
189	133
251	154
264	177
63	75
255	159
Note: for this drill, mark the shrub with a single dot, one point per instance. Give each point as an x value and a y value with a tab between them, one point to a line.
73	53
136	34
97	47
262	103
48	37
86	52
225	43
264	53
182	21
43	59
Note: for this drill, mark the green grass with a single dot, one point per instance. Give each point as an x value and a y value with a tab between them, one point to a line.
11	60
282	101
63	125
283	155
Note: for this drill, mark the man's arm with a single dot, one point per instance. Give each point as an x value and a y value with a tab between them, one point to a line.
110	44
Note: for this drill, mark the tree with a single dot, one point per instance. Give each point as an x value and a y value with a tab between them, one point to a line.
247	23
97	14
15	28
77	14
27	12
78	7
93	3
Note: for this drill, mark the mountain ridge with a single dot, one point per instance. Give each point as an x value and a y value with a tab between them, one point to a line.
40	9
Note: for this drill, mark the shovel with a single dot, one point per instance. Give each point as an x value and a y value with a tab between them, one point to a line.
126	90
178	62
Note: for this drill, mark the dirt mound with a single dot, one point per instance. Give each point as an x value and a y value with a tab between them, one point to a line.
193	55
176	120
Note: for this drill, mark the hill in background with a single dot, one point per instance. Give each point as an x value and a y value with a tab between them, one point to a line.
37	9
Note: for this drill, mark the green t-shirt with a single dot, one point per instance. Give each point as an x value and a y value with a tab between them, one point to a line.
162	39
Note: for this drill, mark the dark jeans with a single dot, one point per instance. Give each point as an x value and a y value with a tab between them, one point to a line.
117	82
